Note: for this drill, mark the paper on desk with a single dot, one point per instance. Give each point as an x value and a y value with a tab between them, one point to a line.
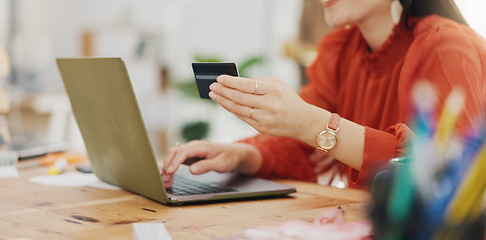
8	172
8	164
149	231
73	179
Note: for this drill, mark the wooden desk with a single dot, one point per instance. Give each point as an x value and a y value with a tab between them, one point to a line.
32	211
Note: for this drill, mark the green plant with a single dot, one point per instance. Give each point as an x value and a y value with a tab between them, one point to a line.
195	130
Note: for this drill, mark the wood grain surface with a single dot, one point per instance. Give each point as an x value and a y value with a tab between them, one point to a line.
33	211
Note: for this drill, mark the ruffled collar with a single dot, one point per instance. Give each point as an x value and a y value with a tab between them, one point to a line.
386	57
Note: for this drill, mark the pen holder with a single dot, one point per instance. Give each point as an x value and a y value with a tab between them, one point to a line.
466	230
397	210
385	226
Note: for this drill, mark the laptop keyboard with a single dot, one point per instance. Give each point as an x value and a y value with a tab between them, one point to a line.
183	186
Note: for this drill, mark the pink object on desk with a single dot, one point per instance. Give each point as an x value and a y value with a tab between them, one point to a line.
328	225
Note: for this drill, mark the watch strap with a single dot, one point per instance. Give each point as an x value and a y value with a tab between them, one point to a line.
331	128
333	122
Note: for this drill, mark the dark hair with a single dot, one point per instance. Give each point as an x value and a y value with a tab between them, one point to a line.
418	8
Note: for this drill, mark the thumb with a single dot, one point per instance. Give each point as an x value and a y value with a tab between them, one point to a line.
215	164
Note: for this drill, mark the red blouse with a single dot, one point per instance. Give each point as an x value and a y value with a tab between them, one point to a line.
373	89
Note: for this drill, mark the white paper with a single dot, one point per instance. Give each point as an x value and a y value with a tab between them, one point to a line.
73	179
9	172
150	231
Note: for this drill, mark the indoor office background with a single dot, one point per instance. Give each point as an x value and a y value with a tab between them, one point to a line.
158	39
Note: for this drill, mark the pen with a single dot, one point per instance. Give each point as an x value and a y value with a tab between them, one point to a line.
402	192
416	171
453	106
58	167
461	153
466	204
51	158
422	155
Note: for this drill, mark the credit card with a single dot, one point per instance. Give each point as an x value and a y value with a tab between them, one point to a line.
206	74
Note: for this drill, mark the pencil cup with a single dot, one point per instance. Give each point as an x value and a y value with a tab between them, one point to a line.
398	212
395	209
466	230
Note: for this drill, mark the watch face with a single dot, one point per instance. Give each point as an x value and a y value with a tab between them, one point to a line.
326	140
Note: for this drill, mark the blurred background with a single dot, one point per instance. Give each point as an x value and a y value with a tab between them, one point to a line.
158	39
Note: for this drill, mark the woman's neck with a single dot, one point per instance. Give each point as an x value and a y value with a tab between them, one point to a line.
376	30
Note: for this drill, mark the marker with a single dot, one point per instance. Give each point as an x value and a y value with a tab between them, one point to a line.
402	192
460	153
422	154
466	205
58	167
453	107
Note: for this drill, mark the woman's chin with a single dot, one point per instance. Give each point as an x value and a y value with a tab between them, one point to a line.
333	22
335	25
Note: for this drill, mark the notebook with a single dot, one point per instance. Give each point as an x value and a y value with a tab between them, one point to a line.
106	109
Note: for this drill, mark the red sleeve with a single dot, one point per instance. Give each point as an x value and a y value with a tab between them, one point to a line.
451	56
448	55
380	147
283	157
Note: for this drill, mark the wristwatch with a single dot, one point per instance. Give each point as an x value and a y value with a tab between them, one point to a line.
327	139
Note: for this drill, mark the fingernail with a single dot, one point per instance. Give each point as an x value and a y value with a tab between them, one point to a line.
171	168
194	168
213	86
220	79
212	95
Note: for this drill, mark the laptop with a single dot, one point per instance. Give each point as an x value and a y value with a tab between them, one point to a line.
31	149
106	109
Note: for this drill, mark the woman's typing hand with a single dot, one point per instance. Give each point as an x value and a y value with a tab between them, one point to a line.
210	156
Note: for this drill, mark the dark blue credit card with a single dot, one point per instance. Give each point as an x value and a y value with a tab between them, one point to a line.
206	74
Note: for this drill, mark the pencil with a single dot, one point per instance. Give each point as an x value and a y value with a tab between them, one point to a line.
466	205
453	106
422	153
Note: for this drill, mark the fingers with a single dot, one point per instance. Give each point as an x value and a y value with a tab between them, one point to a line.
240	110
237	96
201	167
168	160
207	155
217	164
256	85
241	84
176	155
242	96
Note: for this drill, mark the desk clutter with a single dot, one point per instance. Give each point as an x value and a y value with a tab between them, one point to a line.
150	230
436	191
8	164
